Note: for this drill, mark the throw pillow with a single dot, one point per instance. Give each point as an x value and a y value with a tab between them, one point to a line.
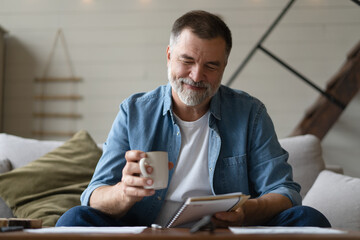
305	157
49	186
5	165
337	196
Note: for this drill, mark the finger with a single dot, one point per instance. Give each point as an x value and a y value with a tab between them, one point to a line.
138	192
134	155
219	224
171	165
226	216
137	181
149	169
131	168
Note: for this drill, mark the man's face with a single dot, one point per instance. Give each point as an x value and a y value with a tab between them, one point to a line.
196	67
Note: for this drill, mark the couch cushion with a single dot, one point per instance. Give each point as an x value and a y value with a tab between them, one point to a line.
20	151
5	211
337	196
305	157
49	186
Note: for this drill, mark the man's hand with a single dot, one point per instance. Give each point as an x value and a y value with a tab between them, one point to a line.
225	219
116	200
132	185
254	211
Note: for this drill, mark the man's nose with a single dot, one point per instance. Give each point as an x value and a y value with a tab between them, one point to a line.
197	73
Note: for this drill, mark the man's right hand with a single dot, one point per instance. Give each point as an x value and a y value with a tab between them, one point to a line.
116	200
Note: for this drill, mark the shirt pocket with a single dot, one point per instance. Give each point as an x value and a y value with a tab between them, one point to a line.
234	176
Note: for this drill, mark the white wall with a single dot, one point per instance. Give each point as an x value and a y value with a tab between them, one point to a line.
118	48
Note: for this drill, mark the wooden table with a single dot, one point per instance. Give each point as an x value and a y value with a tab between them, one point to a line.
176	233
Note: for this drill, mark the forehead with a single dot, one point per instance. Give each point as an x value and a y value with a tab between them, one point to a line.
190	44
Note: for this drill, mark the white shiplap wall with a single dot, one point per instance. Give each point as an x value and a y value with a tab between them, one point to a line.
118	48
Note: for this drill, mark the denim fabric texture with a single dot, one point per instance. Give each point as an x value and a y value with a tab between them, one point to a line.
244	152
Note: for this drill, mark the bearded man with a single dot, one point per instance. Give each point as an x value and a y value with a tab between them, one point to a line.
219	140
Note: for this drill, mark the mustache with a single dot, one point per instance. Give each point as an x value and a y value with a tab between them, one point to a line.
193	83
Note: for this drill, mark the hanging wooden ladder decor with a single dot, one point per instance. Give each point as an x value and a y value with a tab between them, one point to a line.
42	114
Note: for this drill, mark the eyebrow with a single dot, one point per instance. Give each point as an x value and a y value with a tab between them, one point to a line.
185	56
215	63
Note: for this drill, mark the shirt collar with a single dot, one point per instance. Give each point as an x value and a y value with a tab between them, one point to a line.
215	102
167	99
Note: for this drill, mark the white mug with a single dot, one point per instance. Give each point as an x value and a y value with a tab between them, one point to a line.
160	164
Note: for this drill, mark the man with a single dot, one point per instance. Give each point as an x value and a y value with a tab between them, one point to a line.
219	140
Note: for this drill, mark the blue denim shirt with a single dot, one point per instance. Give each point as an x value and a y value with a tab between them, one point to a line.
244	152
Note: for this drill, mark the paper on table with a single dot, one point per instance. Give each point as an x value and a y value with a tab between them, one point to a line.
124	230
284	230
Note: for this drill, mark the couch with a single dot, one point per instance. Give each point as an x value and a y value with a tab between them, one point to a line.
65	169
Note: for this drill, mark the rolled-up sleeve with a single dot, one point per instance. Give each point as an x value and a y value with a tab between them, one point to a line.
269	171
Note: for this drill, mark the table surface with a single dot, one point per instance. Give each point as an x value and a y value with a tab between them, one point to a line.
177	233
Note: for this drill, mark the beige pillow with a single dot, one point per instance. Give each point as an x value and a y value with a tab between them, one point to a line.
305	157
337	196
49	186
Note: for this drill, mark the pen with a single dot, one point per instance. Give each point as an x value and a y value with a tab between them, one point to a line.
11	228
204	224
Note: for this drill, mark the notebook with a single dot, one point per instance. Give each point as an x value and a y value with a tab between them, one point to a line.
195	208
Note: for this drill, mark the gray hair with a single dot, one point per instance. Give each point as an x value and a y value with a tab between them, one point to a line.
203	24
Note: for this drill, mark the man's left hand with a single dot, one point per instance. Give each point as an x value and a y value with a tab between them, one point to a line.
254	211
225	219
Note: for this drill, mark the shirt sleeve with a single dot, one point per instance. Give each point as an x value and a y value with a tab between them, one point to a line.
269	171
109	168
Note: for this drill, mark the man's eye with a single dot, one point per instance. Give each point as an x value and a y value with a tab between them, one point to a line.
187	62
211	67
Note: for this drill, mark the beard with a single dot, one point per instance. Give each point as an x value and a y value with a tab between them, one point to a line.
188	96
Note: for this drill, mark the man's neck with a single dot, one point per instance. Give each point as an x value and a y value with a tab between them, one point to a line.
190	113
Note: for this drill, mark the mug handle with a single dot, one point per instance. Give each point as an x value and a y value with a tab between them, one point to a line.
143	164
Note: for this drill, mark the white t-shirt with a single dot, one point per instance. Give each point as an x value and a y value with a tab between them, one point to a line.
191	175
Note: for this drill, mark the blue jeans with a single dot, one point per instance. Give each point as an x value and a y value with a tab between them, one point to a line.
295	216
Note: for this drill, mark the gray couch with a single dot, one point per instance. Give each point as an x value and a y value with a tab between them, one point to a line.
324	187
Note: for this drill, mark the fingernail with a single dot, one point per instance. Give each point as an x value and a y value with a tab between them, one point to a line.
142	155
149	182
149	169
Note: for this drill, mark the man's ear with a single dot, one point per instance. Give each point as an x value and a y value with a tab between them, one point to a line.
168	54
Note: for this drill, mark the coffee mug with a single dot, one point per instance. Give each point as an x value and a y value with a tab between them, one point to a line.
160	164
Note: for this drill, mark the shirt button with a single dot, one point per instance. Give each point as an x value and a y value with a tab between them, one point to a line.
178	133
210	169
159	198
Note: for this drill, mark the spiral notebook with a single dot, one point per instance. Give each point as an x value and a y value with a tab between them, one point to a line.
195	208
